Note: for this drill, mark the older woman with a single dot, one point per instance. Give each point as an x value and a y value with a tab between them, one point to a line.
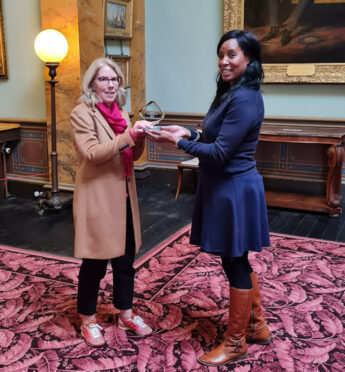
105	206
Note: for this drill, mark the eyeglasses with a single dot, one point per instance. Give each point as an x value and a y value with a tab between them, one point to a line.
105	80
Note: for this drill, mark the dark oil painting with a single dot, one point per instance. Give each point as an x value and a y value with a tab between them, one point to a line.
298	31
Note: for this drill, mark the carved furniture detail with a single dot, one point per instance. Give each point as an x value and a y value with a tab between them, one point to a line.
329	137
8	133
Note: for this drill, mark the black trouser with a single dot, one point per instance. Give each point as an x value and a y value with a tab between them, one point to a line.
238	270
92	271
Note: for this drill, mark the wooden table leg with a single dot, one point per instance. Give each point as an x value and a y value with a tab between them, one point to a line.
333	188
179	181
3	186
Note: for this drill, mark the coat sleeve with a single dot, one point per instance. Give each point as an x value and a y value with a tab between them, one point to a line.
140	144
237	121
87	143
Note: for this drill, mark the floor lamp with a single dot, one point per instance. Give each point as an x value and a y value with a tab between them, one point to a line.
51	47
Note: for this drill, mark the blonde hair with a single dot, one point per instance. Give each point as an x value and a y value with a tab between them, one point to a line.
88	96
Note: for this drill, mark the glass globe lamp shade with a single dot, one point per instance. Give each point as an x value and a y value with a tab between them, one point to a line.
51	46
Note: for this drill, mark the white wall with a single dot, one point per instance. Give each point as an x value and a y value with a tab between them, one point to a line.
181	64
312	100
22	95
181	61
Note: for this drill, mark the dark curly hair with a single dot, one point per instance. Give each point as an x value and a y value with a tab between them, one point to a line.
254	74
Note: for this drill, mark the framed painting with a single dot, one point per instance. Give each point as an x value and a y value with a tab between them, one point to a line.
3	61
302	41
125	64
118	16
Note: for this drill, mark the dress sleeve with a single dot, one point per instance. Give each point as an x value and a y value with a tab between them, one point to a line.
195	135
238	120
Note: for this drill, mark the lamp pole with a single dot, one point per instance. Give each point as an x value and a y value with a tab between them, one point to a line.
51	47
54	155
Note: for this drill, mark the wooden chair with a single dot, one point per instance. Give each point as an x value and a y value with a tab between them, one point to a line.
192	164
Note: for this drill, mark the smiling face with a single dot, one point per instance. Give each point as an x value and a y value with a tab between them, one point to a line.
232	62
106	84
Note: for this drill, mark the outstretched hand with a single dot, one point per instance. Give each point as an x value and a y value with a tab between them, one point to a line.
177	130
162	136
168	133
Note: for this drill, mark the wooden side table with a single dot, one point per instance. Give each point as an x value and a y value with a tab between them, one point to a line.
331	136
8	132
192	164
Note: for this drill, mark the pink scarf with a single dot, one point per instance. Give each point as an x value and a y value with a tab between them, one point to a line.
118	125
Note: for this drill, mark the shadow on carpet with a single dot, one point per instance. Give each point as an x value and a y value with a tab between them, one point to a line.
184	296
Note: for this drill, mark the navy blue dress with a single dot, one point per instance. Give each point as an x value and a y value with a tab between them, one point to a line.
230	213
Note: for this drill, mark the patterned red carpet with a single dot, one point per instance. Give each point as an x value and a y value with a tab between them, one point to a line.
184	296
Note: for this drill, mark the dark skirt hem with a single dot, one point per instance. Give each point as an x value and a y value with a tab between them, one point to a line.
230	215
227	253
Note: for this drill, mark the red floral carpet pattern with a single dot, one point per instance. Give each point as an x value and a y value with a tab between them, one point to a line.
183	294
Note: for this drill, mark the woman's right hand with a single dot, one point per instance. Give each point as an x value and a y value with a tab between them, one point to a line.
168	133
177	130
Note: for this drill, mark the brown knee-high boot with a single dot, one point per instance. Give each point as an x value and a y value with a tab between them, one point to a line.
257	331
234	345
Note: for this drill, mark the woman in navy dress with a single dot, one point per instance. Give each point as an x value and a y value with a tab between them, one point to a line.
230	213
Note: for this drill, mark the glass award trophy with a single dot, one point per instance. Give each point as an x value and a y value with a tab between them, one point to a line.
153	113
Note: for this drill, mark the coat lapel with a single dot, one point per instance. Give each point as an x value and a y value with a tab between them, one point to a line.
98	116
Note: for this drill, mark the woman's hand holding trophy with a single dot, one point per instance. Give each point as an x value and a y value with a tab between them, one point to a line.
152	113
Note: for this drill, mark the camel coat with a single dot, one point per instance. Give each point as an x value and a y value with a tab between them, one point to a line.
99	202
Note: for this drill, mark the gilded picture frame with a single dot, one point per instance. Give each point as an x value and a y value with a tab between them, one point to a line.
236	16
3	60
118	16
125	64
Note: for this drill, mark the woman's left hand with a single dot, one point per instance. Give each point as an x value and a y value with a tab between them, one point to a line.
140	127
